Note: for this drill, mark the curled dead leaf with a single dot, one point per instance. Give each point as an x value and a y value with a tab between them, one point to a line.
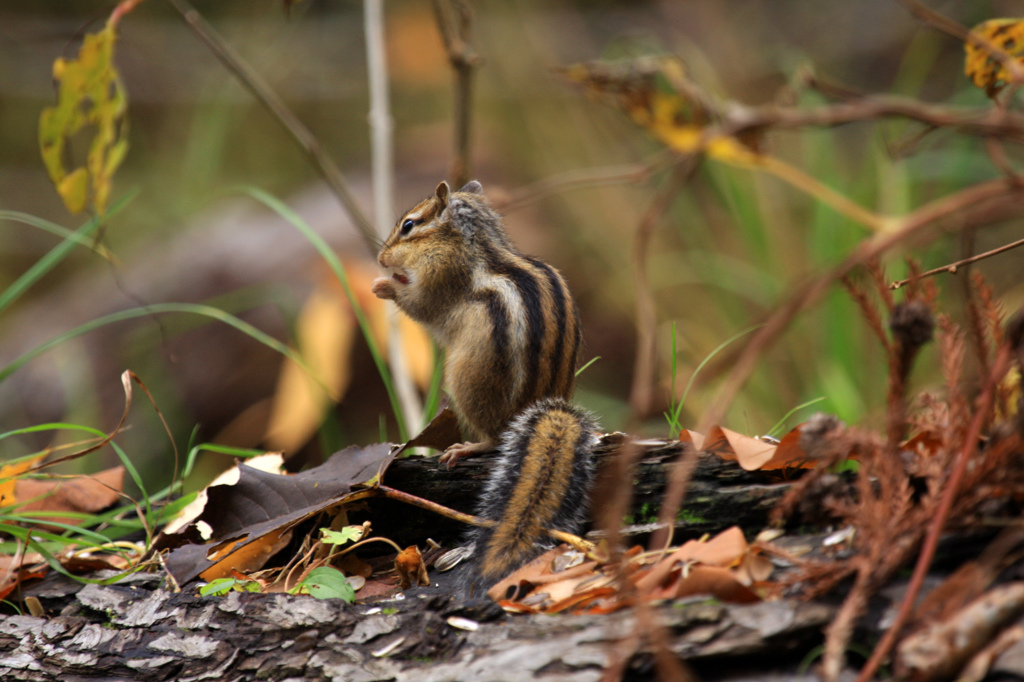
980	66
410	567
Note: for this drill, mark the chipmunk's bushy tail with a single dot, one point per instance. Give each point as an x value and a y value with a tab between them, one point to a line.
542	480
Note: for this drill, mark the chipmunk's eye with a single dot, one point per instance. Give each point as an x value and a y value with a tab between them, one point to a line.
408	225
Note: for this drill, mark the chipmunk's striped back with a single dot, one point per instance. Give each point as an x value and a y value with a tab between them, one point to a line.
536	324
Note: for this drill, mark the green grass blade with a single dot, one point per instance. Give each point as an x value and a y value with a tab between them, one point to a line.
71	239
49	426
338	269
156	309
782	422
433	400
588	364
673	411
83	536
37	546
706	360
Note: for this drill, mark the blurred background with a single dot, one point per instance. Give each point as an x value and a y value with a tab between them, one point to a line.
727	249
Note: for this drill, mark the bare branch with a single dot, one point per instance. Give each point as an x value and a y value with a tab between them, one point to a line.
586	177
953	267
640	393
962	33
995	122
383	166
453	21
262	91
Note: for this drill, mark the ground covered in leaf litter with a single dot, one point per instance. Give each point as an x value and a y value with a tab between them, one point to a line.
136	630
132	630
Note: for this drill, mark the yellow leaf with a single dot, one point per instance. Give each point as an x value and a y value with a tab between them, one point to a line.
979	65
326	331
1009	390
656	93
75	189
9	478
90	97
419	352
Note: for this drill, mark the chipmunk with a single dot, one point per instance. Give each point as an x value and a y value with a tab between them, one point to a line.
511	334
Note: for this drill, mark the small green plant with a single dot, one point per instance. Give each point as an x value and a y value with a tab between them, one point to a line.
325	582
777	429
221	586
675	409
341	537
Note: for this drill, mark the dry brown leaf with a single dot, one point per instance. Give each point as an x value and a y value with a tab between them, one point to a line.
248	557
262	505
688	436
751	453
720	583
755	568
725	549
82	494
410	567
272	463
442	431
584	601
10	580
527	574
789	454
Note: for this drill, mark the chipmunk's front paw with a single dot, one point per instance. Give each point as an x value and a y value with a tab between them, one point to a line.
462	450
383	288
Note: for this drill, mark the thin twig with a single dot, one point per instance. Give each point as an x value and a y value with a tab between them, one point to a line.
262	91
640	394
672	500
393	494
993	122
952	268
997	153
976	327
586	177
454	18
962	33
931	541
383	170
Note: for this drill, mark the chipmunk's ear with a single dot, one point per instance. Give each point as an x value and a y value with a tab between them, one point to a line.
441	193
473	187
